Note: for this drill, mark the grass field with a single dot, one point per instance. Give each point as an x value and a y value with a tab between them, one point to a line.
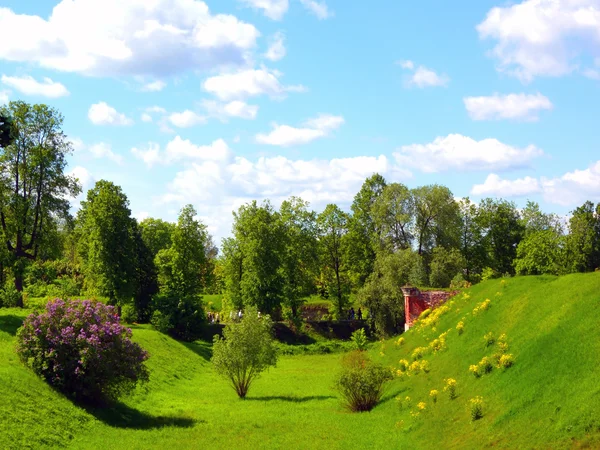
550	398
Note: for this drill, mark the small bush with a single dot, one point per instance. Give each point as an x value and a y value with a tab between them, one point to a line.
9	296
361	381
422	406
418	353
359	339
183	318
475	369
425	314
460	327
415	368
486	364
400	341
502	344
489	339
404	364
129	314
483	306
434	395
506	361
450	388
425	366
476	408
80	348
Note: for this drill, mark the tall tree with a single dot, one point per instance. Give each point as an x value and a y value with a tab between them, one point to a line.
34	188
157	234
583	242
333	239
106	245
182	267
362	229
300	255
393	214
471	239
146	276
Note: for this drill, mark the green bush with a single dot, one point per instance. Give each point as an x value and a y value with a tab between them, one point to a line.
476	408
9	296
183	318
359	338
129	314
361	381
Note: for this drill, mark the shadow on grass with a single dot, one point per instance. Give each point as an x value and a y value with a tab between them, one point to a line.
392	395
122	416
10	324
200	348
291	399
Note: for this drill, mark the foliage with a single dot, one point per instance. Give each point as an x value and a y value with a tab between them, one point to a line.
489	339
245	350
460	327
506	361
9	296
541	252
157	234
359	339
434	395
181	317
393	213
146	277
361	382
476	408
81	348
450	388
34	188
583	241
445	265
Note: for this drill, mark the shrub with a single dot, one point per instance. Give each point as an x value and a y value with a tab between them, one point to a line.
415	368
475	369
129	314
80	348
246	349
361	381
486	364
450	388
9	296
422	406
403	365
476	408
434	395
359	338
425	366
183	318
425	314
506	361
460	327
483	306
502	344
489	339
400	341
418	353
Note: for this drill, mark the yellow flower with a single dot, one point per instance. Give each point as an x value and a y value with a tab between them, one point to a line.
422	406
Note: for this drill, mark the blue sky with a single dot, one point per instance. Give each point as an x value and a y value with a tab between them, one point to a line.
217	103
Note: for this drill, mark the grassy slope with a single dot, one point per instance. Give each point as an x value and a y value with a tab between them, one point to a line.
550	398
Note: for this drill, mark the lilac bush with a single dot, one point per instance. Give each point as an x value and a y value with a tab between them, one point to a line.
80	348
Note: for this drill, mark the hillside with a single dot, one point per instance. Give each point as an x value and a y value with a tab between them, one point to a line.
550	398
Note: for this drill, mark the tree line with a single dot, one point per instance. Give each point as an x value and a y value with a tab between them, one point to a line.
275	258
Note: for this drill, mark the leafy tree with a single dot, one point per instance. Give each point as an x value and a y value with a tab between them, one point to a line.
34	189
541	252
382	294
471	240
246	350
300	256
362	230
583	242
182	266
146	276
333	229
534	220
503	230
437	222
156	234
233	270
106	245
393	213
445	265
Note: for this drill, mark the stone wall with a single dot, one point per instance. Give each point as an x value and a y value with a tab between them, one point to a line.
415	302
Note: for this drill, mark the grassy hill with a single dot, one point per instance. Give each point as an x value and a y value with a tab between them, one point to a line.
550	398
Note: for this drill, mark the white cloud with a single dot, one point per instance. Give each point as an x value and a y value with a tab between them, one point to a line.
180	149
319	9
156	109
77	144
30	86
235	108
146	117
104	114
276	50
462	153
512	106
273	9
574	187
248	83
186	119
154	86
134	37
84	176
139	216
286	136
104	150
423	77
495	186
406	64
4	97
542	37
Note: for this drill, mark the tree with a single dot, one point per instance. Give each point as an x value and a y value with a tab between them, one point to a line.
146	277
333	229
445	265
156	234
471	240
583	242
106	244
300	255
362	230
393	214
541	252
34	188
437	222
534	219
182	267
246	350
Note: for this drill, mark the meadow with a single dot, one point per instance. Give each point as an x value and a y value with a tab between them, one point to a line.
549	398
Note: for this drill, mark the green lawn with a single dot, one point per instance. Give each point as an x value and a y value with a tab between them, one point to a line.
550	398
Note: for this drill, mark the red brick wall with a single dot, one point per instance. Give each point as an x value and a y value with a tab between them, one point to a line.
415	302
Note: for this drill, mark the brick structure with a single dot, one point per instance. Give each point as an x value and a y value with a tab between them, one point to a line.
415	302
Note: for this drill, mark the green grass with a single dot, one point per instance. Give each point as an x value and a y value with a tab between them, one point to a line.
550	398
213	301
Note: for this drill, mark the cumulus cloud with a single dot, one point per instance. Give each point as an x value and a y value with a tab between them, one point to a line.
423	77
573	187
512	106
104	114
134	37
186	119
104	150
236	108
4	97
247	83
180	149
462	153
496	186
542	37
273	9
319	9
286	136
276	50
150	155
154	86
146	117
30	86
